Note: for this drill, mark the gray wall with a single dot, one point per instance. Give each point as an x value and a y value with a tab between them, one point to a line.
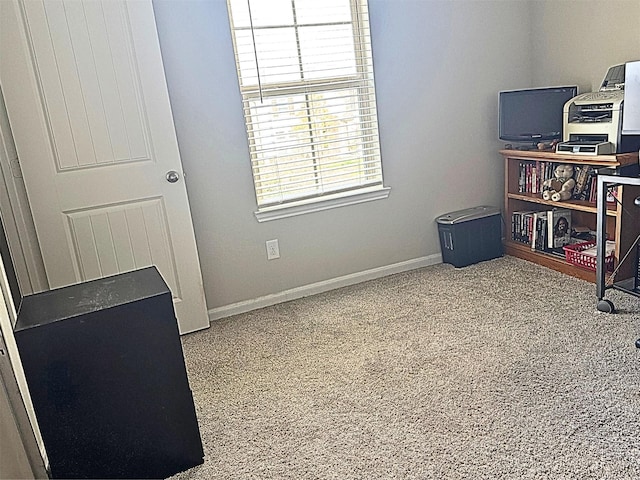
566	51
438	64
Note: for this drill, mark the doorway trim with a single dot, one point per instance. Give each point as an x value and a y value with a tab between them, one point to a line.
16	214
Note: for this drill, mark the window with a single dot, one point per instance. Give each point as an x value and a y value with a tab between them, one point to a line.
307	85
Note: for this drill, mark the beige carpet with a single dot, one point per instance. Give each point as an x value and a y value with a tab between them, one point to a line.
500	370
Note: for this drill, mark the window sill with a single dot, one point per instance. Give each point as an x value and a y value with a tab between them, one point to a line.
325	203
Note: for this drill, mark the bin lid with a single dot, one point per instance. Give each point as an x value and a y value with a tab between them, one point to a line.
468	214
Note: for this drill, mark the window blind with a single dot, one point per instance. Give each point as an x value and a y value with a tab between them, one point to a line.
306	79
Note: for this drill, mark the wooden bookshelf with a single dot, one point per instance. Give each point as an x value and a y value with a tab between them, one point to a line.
583	212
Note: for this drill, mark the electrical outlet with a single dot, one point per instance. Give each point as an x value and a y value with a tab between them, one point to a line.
273	250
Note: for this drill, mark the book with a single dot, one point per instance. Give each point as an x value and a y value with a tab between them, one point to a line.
580	176
558	227
521	226
537	235
542	232
521	178
586	192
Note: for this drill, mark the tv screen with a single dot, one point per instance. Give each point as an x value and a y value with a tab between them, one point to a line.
533	114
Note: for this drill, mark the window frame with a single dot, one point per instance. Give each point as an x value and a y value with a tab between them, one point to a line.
362	81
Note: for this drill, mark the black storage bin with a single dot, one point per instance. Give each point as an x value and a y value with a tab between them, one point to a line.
470	236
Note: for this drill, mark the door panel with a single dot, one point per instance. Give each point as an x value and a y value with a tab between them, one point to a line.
118	238
91	82
88	104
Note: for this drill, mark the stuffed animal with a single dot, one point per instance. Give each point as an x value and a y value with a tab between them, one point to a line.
560	187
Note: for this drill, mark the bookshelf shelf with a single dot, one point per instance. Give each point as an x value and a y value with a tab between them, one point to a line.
578	205
584	212
547	260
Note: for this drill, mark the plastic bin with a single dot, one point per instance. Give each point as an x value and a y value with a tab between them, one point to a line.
575	256
470	236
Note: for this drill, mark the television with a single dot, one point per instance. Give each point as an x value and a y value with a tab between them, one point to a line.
534	114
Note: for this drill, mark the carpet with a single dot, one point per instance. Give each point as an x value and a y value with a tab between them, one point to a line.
499	370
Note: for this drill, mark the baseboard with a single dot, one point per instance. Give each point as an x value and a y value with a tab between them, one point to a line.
320	287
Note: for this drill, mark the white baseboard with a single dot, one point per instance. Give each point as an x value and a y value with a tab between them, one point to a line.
319	287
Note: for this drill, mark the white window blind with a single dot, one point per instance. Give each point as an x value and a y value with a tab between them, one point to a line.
306	78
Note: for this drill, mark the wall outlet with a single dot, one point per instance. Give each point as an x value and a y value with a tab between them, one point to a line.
273	250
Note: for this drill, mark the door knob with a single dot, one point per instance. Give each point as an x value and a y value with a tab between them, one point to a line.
172	176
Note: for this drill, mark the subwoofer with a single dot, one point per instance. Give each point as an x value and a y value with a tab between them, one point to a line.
106	372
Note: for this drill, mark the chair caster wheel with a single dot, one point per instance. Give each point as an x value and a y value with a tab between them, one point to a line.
638	343
606	306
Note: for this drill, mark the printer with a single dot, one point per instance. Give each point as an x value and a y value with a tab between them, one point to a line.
592	122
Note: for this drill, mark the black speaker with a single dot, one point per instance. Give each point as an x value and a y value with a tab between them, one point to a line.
106	373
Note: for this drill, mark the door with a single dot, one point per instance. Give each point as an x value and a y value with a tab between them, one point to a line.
87	100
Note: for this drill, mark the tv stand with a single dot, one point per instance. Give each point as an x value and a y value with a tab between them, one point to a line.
525	147
583	212
548	146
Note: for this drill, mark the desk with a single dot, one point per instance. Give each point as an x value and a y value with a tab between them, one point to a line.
630	176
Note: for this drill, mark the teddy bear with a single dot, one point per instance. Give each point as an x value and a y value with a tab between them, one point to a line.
560	187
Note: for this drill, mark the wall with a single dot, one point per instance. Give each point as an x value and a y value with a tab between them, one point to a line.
438	64
565	51
14	462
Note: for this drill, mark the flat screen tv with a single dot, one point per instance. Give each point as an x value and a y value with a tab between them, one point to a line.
534	114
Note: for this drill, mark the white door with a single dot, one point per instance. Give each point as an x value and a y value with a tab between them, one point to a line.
87	100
